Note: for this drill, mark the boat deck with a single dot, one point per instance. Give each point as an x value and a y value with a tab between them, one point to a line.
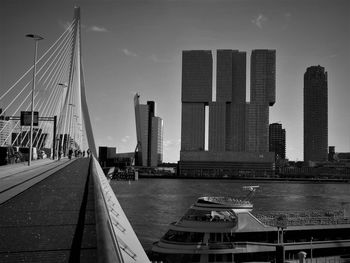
305	218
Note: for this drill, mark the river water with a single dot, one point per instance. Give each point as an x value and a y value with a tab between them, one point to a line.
151	204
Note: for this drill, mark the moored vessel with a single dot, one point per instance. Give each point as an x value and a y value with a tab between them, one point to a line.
226	229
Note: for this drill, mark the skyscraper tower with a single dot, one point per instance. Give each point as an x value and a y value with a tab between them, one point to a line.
149	132
277	140
227	114
262	95
238	132
196	93
315	114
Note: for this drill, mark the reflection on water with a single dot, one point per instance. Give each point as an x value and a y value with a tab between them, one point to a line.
151	204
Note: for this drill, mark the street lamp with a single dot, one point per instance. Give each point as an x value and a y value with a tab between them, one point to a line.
311	248
36	40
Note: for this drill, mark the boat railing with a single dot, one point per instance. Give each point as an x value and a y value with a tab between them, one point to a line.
303	219
208	218
228	200
216	245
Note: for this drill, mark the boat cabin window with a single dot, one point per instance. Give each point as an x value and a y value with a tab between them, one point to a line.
210	216
186	237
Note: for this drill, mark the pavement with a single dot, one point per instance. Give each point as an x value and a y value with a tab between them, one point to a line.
53	220
9	169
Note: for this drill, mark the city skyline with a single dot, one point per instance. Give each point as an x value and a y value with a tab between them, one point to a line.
149	130
135	46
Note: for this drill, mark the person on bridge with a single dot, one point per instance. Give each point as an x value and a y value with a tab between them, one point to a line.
70	152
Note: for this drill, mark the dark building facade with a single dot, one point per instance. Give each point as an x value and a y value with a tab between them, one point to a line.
196	93
315	114
149	132
277	140
262	95
238	131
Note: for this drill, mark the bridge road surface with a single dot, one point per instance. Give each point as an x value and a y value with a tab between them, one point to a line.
52	220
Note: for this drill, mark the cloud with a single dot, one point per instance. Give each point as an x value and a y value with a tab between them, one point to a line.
287	16
259	20
125	139
97	29
171	143
129	53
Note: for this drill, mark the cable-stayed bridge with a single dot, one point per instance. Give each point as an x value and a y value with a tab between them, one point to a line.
58	209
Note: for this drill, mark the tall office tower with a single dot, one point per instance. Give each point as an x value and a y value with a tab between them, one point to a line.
315	114
277	140
262	95
156	155
149	132
227	114
228	126
196	93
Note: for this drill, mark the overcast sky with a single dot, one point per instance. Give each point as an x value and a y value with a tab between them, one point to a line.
135	46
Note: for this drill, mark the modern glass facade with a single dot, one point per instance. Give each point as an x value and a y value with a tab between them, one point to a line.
235	126
315	114
196	93
149	133
277	140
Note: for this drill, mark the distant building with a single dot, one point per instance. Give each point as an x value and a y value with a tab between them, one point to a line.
238	132
227	114
106	156
196	93
262	95
331	153
149	132
277	140
315	114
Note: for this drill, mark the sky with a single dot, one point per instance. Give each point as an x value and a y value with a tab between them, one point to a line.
135	46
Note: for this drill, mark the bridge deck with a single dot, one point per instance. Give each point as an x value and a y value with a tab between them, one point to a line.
53	220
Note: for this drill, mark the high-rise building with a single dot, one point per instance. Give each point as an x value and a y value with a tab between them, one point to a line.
277	140
229	127
315	114
149	132
262	95
196	93
238	133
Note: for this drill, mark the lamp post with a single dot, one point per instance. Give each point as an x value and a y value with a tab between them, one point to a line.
36	40
311	248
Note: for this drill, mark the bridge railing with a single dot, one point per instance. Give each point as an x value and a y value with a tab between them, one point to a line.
116	240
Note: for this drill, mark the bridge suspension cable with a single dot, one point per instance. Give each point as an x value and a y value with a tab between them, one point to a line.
57	93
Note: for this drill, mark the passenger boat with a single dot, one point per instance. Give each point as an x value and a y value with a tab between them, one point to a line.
225	229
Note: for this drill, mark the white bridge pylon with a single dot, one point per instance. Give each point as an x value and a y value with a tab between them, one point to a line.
59	91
